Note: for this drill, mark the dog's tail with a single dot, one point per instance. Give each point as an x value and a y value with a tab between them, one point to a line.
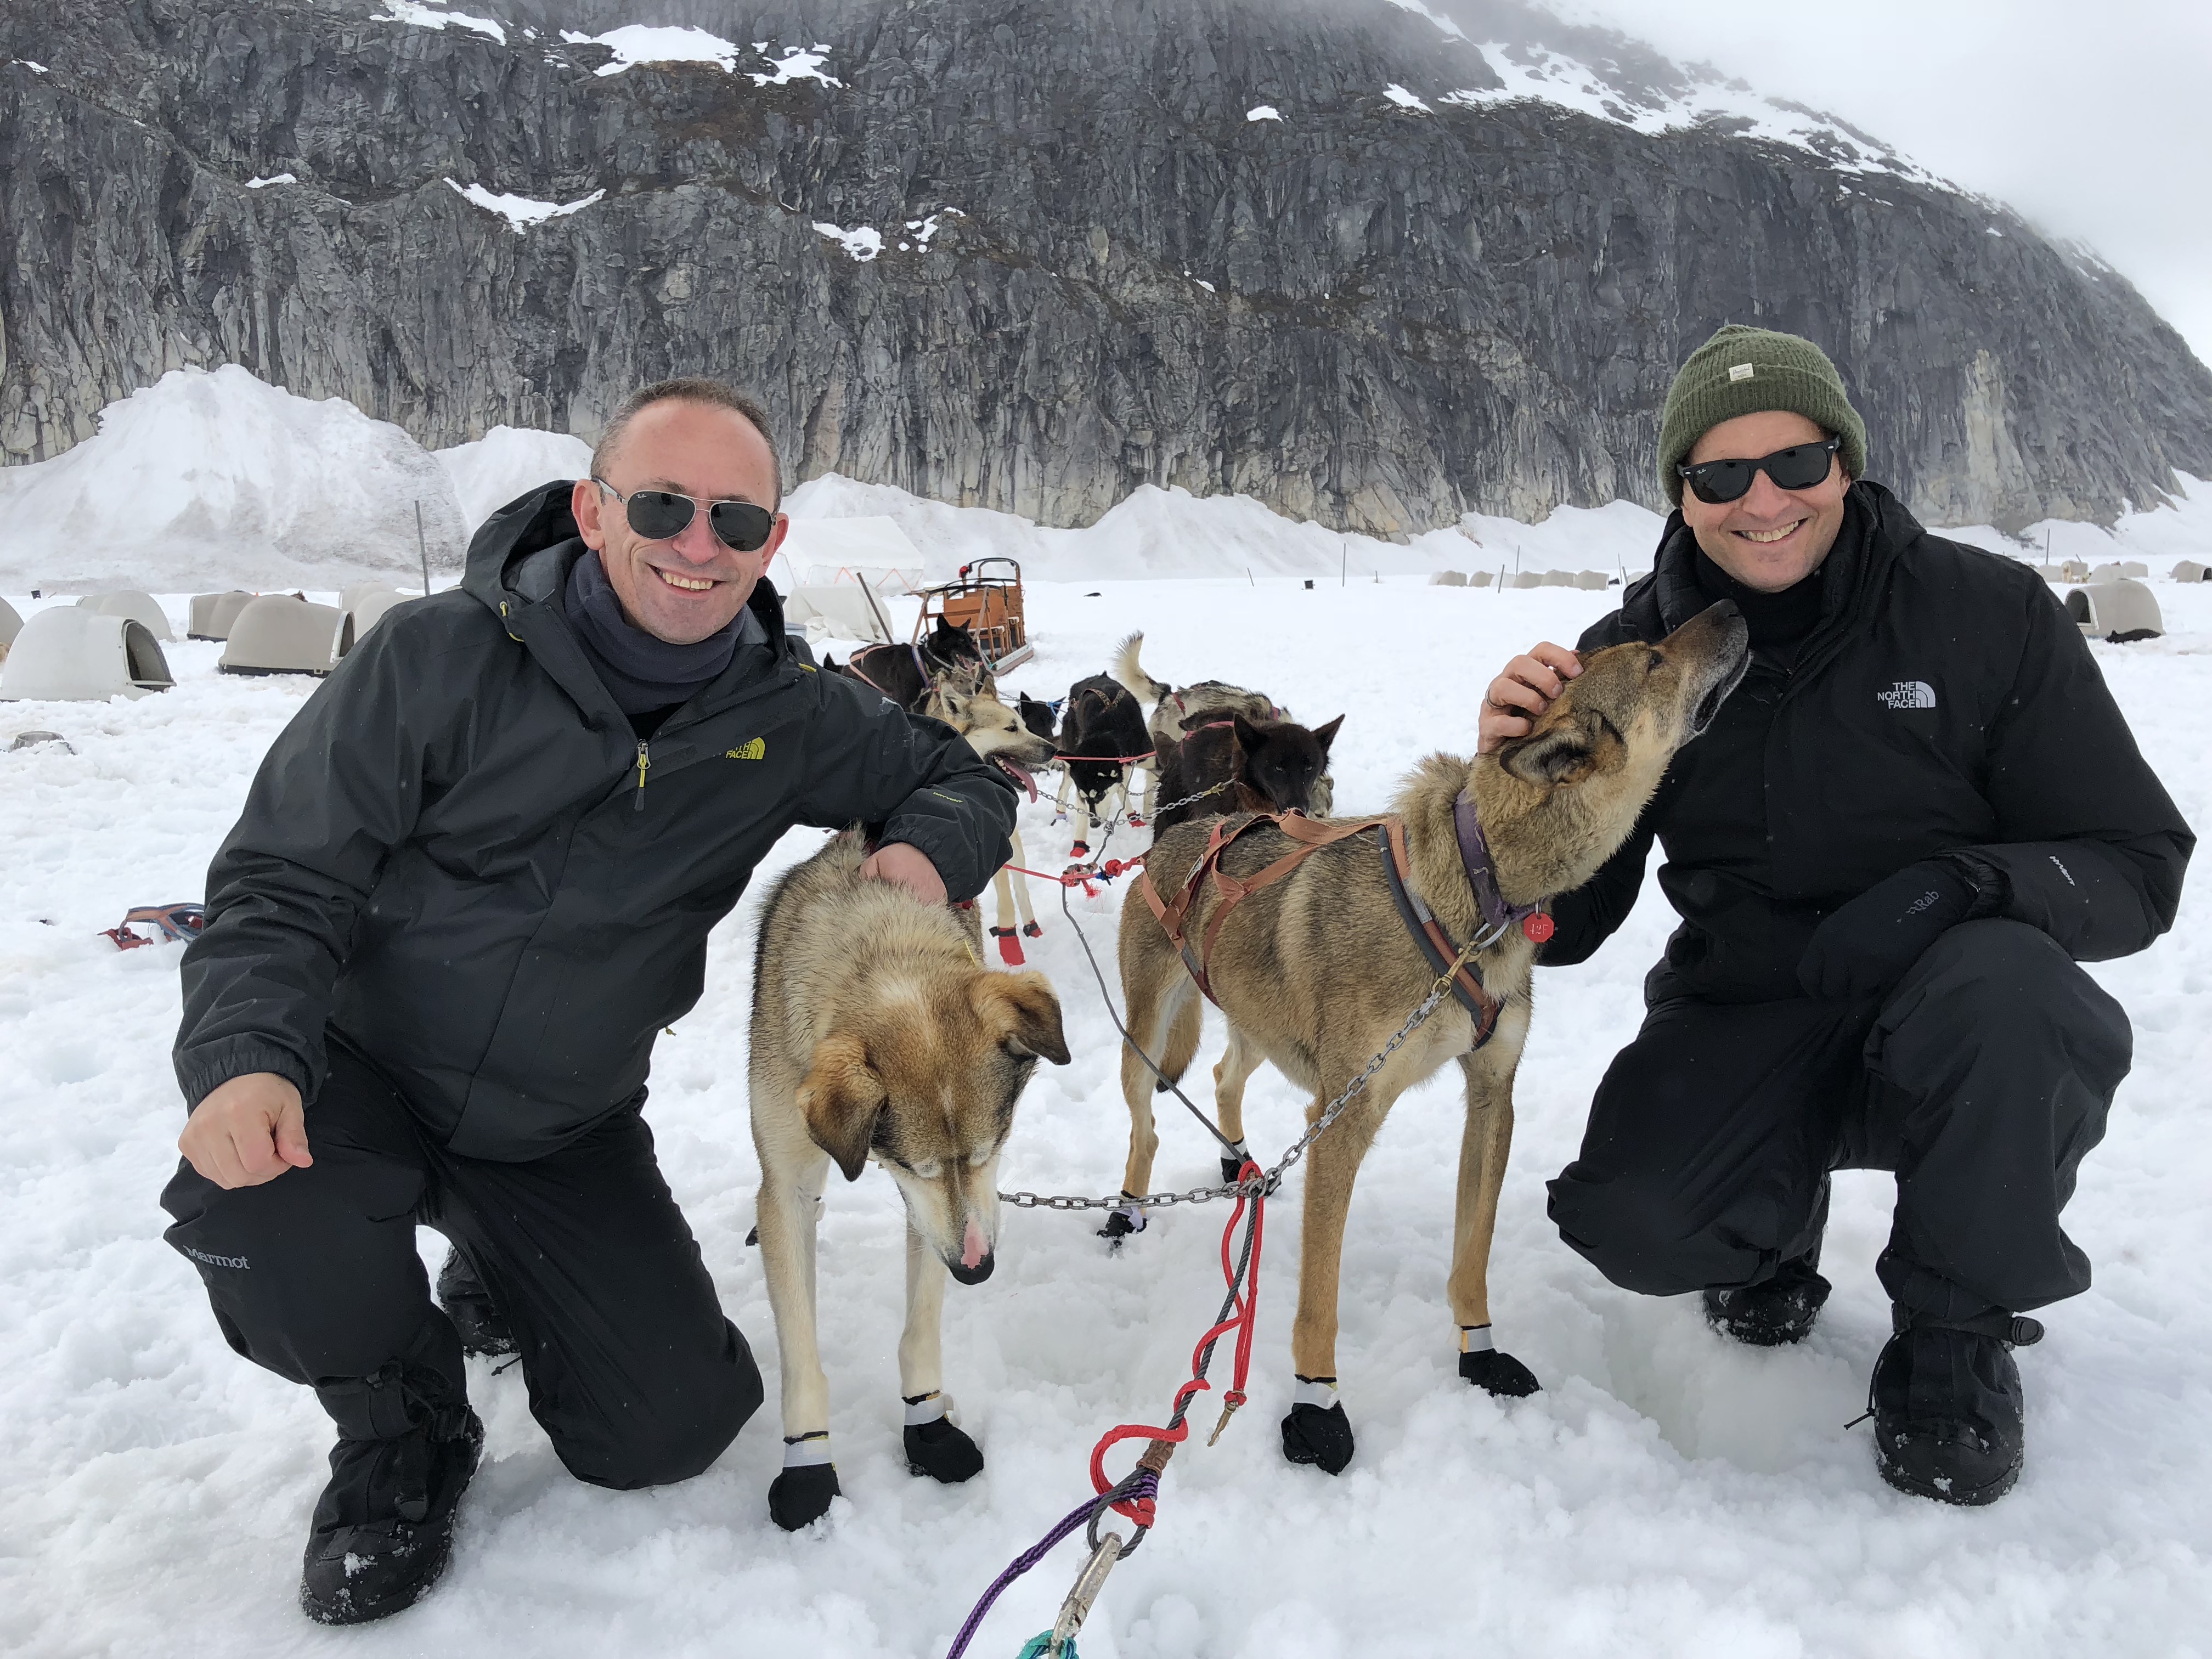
1130	672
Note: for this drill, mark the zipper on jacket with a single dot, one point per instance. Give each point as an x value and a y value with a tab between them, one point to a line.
644	760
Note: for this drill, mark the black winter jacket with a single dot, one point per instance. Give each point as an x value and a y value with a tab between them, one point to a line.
459	858
1944	703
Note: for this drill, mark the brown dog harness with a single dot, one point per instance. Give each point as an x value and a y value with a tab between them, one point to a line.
1435	946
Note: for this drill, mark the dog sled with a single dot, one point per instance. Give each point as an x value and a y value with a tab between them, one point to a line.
986	602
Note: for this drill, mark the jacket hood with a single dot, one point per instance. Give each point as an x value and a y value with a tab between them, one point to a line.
523	553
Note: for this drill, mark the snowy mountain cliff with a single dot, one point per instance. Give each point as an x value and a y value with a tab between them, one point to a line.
1372	265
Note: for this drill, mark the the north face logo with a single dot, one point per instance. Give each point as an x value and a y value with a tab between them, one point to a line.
756	748
1908	694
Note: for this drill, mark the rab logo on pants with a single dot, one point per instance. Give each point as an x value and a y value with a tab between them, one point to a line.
1908	694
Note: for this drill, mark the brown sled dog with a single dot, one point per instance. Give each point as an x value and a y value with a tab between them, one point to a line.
1317	971
878	1034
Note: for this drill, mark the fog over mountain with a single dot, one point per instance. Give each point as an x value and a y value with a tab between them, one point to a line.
1371	264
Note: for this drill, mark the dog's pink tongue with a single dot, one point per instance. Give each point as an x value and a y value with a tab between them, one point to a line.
973	1249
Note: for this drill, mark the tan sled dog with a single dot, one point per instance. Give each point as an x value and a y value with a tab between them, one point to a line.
1317	971
878	1034
996	732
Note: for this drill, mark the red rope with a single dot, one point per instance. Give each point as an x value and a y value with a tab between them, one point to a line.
1244	1300
1105	871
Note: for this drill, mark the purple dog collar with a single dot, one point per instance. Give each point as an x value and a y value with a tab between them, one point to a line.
1482	876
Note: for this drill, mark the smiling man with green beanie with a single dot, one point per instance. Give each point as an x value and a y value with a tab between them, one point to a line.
1917	814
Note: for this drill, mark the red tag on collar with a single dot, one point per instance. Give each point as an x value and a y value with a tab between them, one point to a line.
1538	927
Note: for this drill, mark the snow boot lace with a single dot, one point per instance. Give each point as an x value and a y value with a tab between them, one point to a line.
1948	1407
383	1529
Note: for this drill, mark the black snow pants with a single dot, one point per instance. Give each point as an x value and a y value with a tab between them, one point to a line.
632	1370
1981	1080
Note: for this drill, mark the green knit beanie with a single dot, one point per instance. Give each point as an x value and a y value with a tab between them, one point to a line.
1747	371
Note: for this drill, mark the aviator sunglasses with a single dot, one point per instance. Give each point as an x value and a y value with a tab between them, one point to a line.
1800	466
660	514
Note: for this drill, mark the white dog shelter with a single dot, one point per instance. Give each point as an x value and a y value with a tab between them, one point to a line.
142	608
212	614
72	654
2122	610
277	634
11	625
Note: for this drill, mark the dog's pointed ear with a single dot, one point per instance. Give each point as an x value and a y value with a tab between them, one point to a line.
1023	1010
1326	735
950	700
840	1101
1248	736
1564	753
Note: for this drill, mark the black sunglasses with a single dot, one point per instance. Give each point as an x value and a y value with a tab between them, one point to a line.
659	514
1798	467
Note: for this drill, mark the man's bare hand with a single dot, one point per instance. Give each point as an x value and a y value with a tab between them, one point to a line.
1523	691
249	1130
906	867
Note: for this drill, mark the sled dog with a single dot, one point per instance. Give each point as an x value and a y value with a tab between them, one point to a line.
1315	970
1178	712
1104	745
997	733
1274	765
876	1034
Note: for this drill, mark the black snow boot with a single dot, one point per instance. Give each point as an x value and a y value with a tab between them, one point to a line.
384	1527
484	1329
1948	1407
1770	1315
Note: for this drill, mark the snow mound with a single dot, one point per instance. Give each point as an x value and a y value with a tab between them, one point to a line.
207	478
505	462
518	211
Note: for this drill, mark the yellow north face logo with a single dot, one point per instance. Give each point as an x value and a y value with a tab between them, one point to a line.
756	749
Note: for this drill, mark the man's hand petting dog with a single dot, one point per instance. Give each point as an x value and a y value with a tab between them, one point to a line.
1523	691
249	1131
906	867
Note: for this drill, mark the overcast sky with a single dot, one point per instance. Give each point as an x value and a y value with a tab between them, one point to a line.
2094	121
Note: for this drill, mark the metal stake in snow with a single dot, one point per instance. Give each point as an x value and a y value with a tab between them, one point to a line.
422	546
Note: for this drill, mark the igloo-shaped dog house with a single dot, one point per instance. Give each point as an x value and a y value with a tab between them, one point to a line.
277	634
2122	610
10	624
142	608
366	604
212	614
69	654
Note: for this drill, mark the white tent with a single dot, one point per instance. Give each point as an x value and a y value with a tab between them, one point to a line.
142	608
279	635
824	552
838	611
212	614
2120	610
69	654
11	625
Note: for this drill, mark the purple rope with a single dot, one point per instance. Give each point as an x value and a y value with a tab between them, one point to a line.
1146	1485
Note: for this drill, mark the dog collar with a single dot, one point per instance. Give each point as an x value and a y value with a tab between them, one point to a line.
1482	876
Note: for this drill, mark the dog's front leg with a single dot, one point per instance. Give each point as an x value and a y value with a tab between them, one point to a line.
1483	1147
1316	1430
935	1444
791	1187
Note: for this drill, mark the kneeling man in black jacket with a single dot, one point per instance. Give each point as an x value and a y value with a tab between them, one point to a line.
1920	810
474	879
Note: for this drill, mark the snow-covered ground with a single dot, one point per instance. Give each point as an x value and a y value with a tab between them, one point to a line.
1667	1494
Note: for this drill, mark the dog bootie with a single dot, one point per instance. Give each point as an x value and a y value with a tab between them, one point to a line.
1772	1314
936	1446
1010	946
1948	1409
1122	1222
802	1492
1317	1431
484	1329
1482	1363
383	1530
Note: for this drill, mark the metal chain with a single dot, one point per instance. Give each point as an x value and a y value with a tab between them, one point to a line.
1271	1178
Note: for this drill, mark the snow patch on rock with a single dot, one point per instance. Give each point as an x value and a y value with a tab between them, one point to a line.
796	64
647	43
1404	99
864	242
276	178
1263	112
520	211
427	17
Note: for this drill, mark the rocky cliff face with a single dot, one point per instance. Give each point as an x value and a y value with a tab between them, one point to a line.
1029	254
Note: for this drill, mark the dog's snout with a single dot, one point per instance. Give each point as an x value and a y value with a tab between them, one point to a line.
975	1274
1723	609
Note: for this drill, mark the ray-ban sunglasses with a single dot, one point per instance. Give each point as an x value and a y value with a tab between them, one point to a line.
1800	466
660	514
